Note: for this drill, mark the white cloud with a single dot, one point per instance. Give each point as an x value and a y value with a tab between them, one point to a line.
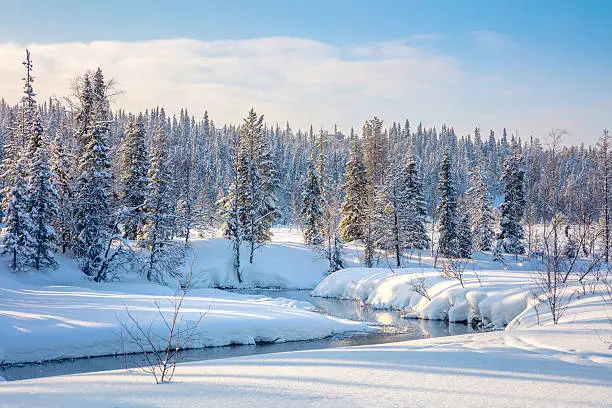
299	80
293	79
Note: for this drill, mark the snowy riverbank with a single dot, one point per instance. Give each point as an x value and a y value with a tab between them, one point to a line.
40	321
565	365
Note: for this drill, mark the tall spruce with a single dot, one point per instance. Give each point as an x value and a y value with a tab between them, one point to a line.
414	228
258	206
448	226
43	198
94	182
480	210
164	255
312	207
512	209
134	177
354	206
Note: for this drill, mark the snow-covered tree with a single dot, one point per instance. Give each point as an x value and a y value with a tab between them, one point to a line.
134	167
165	255
64	185
258	207
414	228
18	241
480	210
312	208
448	226
354	206
94	181
42	198
512	209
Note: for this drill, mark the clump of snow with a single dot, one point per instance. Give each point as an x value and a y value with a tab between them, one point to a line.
491	294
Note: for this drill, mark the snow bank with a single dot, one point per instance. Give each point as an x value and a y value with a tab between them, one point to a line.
40	321
284	263
494	296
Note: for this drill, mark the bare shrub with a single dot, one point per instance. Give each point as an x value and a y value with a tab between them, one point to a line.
161	360
454	268
420	285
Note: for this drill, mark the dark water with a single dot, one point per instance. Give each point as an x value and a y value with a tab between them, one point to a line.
391	328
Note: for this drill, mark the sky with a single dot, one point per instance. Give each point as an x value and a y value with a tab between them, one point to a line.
529	66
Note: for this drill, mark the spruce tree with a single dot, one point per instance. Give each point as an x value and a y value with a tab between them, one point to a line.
94	182
447	210
512	209
64	184
354	206
258	206
164	256
312	209
134	176
18	241
414	228
480	210
42	198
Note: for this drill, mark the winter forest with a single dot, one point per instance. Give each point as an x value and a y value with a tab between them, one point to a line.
116	187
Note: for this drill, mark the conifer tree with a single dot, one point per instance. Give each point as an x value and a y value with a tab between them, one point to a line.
481	210
354	206
312	209
513	207
414	229
447	209
134	176
164	256
18	241
42	198
94	182
64	185
258	207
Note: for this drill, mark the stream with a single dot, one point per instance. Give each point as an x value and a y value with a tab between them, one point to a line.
392	328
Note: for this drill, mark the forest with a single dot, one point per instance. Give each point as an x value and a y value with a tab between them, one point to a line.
82	178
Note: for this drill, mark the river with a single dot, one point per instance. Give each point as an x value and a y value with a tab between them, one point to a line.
392	328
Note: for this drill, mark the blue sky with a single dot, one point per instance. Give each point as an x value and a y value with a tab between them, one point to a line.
527	65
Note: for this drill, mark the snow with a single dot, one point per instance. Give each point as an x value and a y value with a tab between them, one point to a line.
564	365
284	263
493	293
59	314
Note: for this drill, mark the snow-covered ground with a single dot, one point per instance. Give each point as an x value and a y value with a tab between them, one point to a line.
285	263
58	313
551	365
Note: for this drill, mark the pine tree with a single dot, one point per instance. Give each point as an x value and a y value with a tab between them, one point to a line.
414	229
512	209
64	185
93	229
165	256
18	241
134	176
447	210
480	210
258	206
312	210
230	206
355	200
42	198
